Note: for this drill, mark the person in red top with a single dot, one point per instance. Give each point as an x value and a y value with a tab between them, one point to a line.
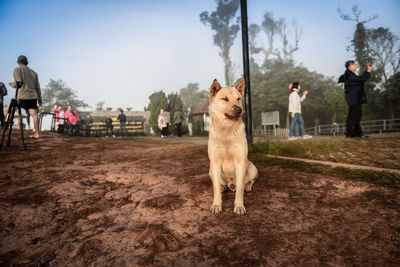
56	112
72	117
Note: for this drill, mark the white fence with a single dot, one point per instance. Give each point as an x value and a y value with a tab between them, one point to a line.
368	127
271	132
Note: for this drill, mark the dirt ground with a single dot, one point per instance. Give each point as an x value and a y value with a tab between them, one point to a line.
96	202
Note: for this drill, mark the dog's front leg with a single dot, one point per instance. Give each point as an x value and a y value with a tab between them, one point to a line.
240	176
215	171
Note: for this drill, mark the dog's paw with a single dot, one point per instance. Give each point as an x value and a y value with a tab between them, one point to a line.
216	208
239	210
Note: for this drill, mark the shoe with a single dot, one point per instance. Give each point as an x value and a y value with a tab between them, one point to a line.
363	136
291	138
307	136
299	137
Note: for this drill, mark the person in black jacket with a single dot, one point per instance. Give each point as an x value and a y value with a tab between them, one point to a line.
3	92
355	96
122	123
109	126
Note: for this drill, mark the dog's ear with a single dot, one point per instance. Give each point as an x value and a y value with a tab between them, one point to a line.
215	87
240	86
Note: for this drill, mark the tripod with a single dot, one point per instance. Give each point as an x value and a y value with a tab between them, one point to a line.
14	104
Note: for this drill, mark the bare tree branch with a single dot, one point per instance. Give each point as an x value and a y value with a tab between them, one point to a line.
355	15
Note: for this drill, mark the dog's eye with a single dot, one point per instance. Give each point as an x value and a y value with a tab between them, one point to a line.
239	98
225	99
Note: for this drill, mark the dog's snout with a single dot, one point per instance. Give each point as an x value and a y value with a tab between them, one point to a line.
237	109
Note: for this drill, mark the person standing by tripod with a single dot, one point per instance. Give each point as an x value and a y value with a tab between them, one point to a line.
29	95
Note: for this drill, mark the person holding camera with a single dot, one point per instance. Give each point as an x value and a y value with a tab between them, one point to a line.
355	96
3	92
29	95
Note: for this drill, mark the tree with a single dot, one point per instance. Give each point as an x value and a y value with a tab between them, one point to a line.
57	93
272	28
191	95
359	41
270	92
100	105
355	15
174	103
382	48
158	101
222	21
391	95
334	97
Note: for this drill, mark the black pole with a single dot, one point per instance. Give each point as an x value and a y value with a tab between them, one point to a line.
246	72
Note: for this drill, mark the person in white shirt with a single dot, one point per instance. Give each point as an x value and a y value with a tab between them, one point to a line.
61	115
295	111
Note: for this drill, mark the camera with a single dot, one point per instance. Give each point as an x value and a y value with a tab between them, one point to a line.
18	85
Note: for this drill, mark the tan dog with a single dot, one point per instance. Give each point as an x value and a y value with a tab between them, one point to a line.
227	146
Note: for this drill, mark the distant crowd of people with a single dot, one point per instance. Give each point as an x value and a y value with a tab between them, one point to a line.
29	97
72	118
69	117
164	120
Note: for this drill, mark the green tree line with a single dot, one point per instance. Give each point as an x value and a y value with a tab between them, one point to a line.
325	102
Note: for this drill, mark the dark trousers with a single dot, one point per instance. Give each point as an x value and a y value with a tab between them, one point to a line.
122	128
61	128
178	129
353	127
164	131
87	131
108	128
1	113
73	129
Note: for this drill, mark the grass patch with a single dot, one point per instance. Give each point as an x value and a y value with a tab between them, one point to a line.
309	148
376	177
386	151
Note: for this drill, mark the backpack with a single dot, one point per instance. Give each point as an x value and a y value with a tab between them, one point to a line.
3	90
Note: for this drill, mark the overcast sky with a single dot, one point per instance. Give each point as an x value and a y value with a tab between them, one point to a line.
122	51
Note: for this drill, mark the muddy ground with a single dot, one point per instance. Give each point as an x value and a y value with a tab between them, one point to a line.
95	202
